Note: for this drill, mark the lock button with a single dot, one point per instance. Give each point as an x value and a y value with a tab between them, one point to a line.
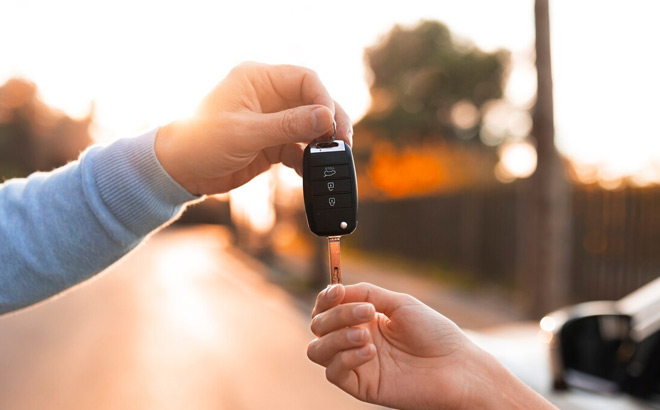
331	187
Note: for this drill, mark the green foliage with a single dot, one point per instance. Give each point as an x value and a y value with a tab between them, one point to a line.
418	76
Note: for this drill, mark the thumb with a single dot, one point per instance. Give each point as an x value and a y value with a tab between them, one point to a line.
298	124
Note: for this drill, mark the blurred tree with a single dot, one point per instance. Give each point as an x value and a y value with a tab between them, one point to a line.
427	169
428	92
34	136
425	86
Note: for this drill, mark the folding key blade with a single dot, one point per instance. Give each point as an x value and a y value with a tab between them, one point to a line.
335	259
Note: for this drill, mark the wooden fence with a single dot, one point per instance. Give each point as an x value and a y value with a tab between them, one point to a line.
615	236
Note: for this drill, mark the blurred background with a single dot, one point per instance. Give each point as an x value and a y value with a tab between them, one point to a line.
505	168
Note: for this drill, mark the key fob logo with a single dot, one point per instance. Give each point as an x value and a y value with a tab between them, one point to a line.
331	201
329	171
331	186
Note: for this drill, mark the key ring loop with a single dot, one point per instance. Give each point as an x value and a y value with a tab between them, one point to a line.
334	131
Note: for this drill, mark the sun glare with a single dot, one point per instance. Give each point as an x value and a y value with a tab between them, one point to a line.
180	269
143	64
517	160
252	204
548	324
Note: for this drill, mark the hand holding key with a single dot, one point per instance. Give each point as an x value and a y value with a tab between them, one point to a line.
390	349
254	118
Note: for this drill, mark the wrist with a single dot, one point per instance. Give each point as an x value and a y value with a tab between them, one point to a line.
497	388
132	185
170	152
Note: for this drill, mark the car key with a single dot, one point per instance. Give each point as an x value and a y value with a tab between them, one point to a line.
330	193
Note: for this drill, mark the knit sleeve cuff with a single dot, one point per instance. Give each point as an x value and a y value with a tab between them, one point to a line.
134	186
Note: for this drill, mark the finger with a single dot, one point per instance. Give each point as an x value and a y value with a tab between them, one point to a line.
299	86
292	157
344	126
385	301
288	154
299	124
323	349
340	369
328	298
344	315
291	154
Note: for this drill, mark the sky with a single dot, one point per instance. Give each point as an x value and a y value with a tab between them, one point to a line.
144	63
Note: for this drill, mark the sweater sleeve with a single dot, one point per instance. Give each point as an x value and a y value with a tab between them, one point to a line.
62	227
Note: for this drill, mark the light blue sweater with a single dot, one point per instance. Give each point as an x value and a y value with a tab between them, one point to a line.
62	227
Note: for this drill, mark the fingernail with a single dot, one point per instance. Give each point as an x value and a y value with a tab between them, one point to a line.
333	291
356	335
364	351
320	120
364	312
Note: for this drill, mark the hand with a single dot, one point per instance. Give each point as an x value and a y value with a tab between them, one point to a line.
254	118
390	349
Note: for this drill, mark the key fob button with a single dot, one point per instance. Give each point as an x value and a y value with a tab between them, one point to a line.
330	172
329	221
331	187
332	201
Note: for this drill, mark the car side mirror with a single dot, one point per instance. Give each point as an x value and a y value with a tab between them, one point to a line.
608	346
595	351
643	370
589	346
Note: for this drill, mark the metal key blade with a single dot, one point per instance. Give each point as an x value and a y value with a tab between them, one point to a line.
335	259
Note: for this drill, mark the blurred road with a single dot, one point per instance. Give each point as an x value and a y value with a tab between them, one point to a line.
185	322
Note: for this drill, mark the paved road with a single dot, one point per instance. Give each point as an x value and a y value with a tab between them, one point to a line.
185	322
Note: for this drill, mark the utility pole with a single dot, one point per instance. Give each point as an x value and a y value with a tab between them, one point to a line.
545	220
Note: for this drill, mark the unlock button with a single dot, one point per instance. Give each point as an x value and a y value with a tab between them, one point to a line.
332	201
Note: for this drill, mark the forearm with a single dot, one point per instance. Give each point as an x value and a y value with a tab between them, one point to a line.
59	228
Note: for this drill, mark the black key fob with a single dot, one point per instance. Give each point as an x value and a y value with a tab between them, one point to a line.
330	188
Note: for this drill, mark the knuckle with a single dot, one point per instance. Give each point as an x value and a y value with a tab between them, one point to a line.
362	286
314	326
407	299
319	299
302	70
331	374
244	69
311	350
310	73
345	359
368	294
316	309
246	65
348	314
289	123
237	70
